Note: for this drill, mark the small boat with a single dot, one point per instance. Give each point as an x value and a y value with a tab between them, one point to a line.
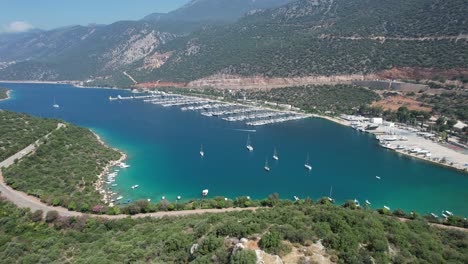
296	198
448	213
202	153
113	185
330	195
123	165
163	198
178	197
249	145
307	165
135	186
205	192
367	202
386	207
149	200
275	155
267	168
444	215
119	198
377	177
55	105
434	215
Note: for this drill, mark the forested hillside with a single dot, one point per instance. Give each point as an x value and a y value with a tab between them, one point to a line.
294	232
63	169
325	38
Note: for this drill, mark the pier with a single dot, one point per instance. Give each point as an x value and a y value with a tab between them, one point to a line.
251	115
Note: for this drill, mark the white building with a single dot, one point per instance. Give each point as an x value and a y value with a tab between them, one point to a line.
376	120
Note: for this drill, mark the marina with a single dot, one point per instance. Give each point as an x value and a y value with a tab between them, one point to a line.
232	112
163	146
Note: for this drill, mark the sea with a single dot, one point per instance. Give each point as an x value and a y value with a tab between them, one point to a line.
163	147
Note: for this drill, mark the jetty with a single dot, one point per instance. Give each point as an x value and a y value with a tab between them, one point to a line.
252	115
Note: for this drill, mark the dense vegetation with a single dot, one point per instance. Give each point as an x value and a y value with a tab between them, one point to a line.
17	131
319	98
452	105
328	38
3	93
349	236
63	169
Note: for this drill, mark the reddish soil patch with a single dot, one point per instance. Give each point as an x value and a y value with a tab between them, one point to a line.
421	73
395	102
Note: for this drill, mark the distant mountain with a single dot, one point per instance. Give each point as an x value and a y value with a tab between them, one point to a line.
215	10
301	38
80	52
324	37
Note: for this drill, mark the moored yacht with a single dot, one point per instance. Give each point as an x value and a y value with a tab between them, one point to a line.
307	165
202	153
275	155
249	145
55	105
135	186
267	168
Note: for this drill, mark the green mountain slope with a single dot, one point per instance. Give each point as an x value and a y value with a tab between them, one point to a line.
325	37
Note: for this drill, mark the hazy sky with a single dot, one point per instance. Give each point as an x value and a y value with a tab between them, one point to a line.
21	15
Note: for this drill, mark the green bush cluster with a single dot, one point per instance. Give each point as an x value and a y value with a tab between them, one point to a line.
64	168
3	93
17	131
349	236
318	98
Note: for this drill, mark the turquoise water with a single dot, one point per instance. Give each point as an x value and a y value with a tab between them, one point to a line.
163	147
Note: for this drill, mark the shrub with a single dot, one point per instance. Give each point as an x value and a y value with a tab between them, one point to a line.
244	257
51	216
270	242
37	216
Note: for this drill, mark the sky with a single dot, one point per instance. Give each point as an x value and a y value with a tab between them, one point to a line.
23	15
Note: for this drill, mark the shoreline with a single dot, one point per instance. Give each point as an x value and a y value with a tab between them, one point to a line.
8	93
335	120
398	151
100	183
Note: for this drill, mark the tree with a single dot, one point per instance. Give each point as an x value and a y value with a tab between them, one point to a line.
51	216
37	216
244	257
271	241
451	123
350	204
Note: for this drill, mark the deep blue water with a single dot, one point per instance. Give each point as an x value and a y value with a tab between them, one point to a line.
163	146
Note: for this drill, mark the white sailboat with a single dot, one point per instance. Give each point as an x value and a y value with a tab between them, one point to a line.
330	196
202	153
249	145
275	155
267	168
55	105
307	165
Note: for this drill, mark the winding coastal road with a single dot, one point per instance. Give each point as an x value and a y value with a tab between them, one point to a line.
23	200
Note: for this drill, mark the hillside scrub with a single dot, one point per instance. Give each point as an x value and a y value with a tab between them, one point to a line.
350	236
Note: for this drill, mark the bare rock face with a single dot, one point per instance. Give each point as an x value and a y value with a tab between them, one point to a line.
265	258
138	46
237	247
193	249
